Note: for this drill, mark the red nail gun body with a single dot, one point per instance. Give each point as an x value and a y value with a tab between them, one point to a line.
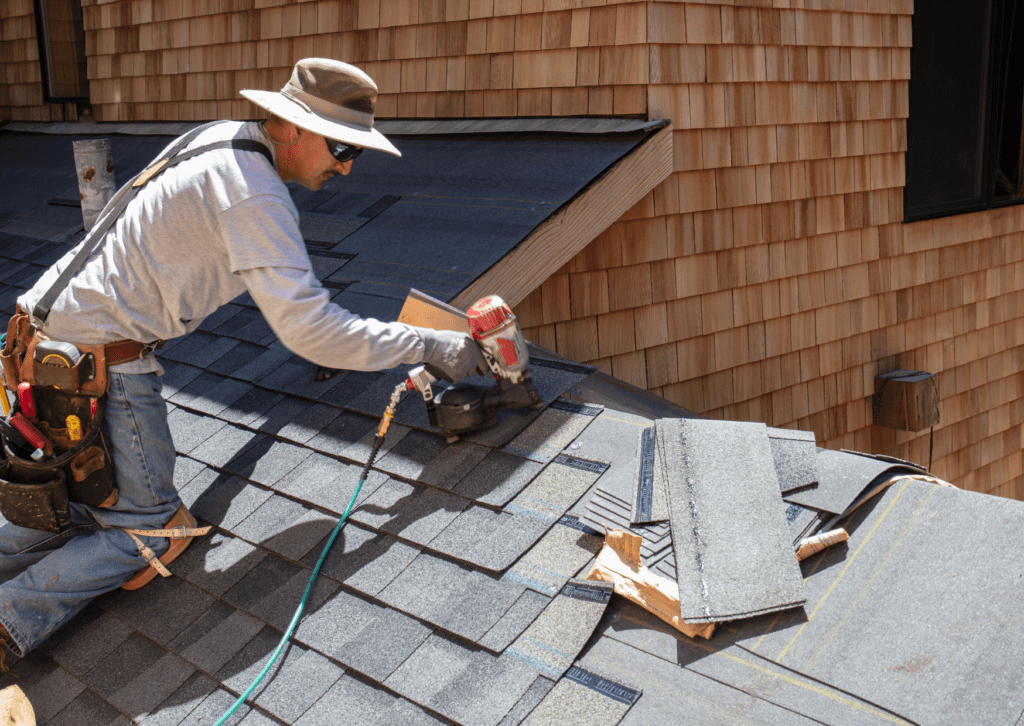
465	407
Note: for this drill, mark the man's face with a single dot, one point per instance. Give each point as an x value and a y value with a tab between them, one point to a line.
313	162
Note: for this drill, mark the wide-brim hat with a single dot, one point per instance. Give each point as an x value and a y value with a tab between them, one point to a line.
330	98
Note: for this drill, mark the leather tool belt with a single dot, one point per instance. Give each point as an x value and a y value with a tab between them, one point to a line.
73	460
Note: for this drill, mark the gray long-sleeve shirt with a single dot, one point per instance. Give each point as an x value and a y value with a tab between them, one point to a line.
197	236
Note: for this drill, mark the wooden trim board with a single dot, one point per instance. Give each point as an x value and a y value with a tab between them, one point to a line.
559	238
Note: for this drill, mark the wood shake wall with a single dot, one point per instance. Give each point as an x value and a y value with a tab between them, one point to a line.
770	278
21	80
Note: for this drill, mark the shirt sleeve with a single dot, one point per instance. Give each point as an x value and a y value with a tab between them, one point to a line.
300	313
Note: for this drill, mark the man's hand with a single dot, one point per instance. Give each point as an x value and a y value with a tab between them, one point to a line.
455	356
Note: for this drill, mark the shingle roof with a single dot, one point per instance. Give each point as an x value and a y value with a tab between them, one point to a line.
453	594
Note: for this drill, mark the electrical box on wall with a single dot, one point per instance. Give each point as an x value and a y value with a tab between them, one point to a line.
906	400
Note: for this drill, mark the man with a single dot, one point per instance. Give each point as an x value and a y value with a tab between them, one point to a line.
197	235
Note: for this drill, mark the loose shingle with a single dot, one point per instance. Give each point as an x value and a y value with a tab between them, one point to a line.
794	454
732	545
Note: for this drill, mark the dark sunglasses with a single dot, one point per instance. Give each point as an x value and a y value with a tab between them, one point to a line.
344	152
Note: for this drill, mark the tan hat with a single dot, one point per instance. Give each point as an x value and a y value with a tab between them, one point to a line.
330	98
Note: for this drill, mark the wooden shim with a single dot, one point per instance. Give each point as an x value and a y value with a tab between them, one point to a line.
619	564
572	228
15	708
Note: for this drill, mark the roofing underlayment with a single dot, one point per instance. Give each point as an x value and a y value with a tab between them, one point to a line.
457	592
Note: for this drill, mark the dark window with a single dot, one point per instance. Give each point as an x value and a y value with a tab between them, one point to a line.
964	134
62	49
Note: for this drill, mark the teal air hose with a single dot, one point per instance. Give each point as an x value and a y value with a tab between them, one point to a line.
385	423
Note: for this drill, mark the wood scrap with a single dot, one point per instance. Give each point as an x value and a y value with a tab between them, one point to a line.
619	563
15	708
815	544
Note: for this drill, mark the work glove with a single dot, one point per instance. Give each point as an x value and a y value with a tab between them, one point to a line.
452	356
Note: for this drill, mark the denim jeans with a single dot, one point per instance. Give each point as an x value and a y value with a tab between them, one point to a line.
47	578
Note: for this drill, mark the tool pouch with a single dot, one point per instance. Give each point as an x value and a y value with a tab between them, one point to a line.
87	464
43	505
35	493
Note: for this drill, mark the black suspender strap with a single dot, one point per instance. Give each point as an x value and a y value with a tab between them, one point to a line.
113	212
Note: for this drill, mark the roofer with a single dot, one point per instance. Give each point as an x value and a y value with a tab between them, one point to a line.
198	233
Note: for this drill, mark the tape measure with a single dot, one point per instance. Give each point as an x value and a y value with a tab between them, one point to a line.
56	353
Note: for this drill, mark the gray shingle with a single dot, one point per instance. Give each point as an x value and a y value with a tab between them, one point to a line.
215	563
451	596
301	677
225	633
557	427
328	483
556	557
189	430
361	703
362	559
211	393
152	685
161	610
515	620
89	638
230	442
412	455
225	501
267	460
342	432
732	545
200	349
408	511
498	478
87	708
552	642
452	464
584	697
49	687
371	639
182	702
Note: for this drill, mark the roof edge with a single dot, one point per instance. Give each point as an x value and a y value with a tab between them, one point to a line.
389	127
576	224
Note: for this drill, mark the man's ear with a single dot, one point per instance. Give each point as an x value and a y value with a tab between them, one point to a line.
281	131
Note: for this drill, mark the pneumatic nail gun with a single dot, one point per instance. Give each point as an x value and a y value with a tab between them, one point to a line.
465	407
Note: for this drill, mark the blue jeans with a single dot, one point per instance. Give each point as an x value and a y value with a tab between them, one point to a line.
47	578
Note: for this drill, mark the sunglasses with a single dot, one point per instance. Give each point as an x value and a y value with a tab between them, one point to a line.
344	152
